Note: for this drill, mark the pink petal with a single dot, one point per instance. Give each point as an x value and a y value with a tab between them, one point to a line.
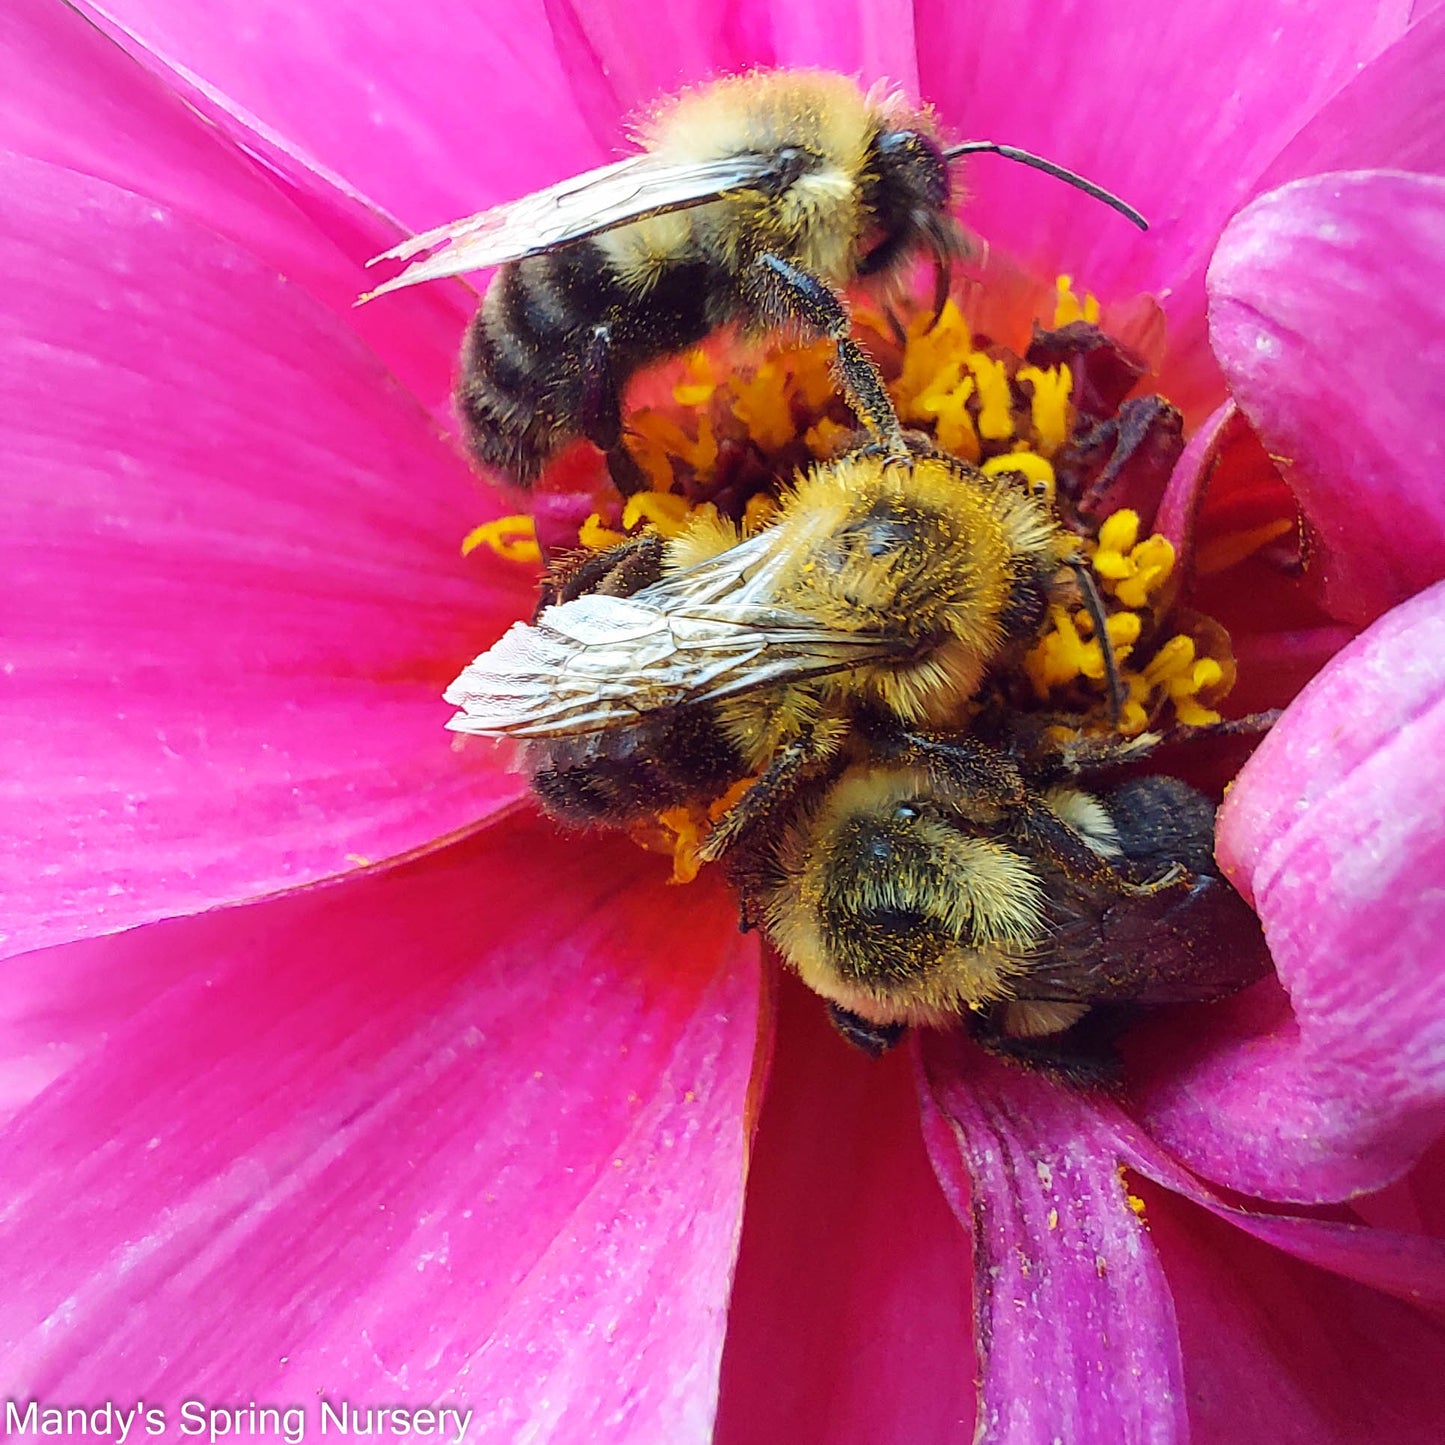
850	1317
1334	831
74	98
876	40
1076	1328
1098	88
621	59
1390	115
1407	1264
1328	315
1193	472
433	111
473	1132
1277	1351
233	582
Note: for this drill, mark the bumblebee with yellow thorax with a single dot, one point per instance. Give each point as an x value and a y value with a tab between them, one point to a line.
817	220
755	202
907	894
954	568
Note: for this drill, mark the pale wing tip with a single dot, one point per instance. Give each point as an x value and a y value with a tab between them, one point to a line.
456	261
395	284
461	723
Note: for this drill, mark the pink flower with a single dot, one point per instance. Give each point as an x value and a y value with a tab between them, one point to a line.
474	1122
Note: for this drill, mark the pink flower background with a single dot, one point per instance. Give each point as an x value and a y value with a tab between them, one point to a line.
326	1066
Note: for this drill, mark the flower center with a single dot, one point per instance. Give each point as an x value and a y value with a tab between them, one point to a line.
723	434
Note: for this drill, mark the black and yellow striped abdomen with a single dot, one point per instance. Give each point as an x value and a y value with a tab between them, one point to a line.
555	342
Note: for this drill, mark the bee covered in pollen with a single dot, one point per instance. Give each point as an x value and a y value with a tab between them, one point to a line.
755	201
884	584
935	884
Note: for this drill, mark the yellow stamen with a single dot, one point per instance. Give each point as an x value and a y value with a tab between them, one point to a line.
1051	407
1068	308
763	405
1134	572
697	390
688	831
1120	532
664	511
1221	553
956	432
811	373
995	412
1027	464
514	538
824	437
928	351
652	455
597	538
690	826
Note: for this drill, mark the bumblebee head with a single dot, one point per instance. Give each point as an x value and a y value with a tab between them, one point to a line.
907	194
896	905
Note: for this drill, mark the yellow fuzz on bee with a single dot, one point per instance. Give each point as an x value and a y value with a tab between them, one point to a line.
788	408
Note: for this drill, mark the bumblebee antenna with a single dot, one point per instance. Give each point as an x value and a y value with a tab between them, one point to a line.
1072	178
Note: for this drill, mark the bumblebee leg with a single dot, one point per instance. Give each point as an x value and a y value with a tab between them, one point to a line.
794	293
1045	760
1082	1055
618	572
1032	741
601	413
1230	727
874	1039
775	785
993	783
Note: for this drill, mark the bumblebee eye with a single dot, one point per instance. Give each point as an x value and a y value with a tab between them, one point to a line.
910	159
905	813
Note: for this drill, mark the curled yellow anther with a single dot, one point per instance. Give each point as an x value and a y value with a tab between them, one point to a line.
514	538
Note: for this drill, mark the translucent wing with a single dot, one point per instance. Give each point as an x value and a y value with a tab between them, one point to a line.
627	190
1193	940
704	634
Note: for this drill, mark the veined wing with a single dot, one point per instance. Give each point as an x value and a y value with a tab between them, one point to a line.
708	633
627	190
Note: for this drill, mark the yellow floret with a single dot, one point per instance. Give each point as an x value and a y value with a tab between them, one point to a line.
1133	571
764	406
697	389
664	511
1028	464
1068	308
1051	408
514	538
597	538
995	412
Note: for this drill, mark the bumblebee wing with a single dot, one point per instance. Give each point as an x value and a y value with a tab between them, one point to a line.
1192	941
707	633
628	190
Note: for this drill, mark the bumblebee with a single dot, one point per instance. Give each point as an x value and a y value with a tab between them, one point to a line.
941	887
885	586
753	202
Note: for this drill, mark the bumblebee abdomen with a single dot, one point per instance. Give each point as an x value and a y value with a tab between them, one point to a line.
554	342
610	779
